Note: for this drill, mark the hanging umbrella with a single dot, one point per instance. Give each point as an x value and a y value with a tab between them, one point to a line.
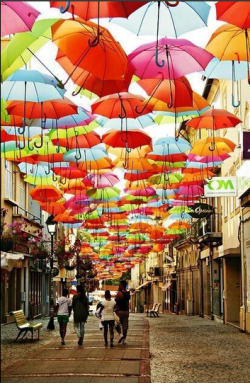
131	123
233	70
229	42
130	139
175	93
169	145
53	208
69	35
101	180
93	9
23	46
17	17
207	159
190	190
45	194
179	225
122	105
234	12
181	57
165	18
78	141
31	85
90	85
103	194
83	155
217	145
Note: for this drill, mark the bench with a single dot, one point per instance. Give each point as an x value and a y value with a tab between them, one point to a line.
153	308
24	326
156	311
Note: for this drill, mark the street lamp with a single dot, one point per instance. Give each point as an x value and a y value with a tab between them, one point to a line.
51	226
78	246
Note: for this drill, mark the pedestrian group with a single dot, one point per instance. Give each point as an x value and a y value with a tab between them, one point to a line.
113	314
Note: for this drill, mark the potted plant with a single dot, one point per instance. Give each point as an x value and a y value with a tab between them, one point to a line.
6	241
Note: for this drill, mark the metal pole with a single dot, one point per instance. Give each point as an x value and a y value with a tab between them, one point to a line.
51	324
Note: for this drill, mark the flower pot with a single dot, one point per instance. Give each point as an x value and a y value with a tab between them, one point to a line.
6	246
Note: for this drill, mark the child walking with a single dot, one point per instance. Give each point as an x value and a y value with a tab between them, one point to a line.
108	318
63	313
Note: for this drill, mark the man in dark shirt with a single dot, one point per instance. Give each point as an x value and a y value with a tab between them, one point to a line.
122	304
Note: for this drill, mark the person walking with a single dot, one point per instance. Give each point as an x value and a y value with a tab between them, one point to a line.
81	311
122	310
63	313
108	318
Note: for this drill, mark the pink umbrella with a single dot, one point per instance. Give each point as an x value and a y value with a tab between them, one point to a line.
143	211
147	192
17	16
180	203
100	181
175	57
207	159
190	190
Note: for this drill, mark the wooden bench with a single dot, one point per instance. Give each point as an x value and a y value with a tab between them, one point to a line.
24	326
156	311
153	308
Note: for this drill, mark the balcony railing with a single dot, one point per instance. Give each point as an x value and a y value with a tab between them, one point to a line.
19	210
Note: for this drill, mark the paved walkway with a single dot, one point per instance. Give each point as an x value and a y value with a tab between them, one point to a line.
90	363
195	350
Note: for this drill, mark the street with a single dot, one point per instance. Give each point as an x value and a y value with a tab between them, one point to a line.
182	350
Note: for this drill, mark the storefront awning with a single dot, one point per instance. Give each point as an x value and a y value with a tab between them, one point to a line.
166	286
9	260
143	285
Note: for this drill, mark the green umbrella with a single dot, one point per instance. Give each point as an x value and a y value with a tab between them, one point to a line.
4	115
180	209
159	179
103	194
71	132
22	46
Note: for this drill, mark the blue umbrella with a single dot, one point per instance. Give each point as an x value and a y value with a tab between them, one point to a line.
223	69
95	153
64	122
27	132
200	165
31	85
130	123
171	21
170	145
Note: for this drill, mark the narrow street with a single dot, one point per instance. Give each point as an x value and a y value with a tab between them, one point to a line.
182	349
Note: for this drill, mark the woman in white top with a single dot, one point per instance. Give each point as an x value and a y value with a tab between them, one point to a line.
108	318
64	310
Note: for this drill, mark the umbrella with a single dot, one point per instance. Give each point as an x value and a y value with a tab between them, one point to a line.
169	145
234	12
131	123
216	145
226	70
46	194
93	9
182	57
229	42
23	46
175	93
101	180
169	16
89	84
84	155
78	141
74	38
17	17
130	139
123	105
31	85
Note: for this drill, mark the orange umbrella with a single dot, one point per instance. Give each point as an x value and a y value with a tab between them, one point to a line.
214	119
46	194
53	208
215	145
75	38
102	163
65	218
179	225
141	164
89	81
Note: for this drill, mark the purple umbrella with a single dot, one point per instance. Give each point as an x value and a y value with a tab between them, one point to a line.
17	16
175	57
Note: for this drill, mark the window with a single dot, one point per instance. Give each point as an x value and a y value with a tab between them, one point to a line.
33	206
9	180
22	194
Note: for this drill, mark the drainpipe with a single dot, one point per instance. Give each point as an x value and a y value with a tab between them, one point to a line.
243	269
201	281
211	282
192	277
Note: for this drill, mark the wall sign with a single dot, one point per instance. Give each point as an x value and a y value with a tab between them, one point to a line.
221	187
246	146
201	210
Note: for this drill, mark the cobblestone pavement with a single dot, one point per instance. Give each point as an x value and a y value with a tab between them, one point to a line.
195	350
47	361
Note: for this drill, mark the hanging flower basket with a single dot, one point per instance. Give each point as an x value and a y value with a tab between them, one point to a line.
6	245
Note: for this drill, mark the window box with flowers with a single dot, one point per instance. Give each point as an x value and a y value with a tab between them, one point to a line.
13	233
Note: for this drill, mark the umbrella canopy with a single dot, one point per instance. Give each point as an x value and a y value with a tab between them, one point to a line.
70	35
214	119
234	12
129	139
46	194
176	57
169	16
16	17
217	145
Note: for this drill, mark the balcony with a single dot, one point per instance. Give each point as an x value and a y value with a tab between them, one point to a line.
206	230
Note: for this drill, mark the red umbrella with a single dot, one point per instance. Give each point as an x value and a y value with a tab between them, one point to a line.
234	12
120	105
69	172
87	80
214	119
45	194
129	139
78	141
175	93
54	109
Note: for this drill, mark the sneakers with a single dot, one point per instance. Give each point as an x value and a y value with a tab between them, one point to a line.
121	339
